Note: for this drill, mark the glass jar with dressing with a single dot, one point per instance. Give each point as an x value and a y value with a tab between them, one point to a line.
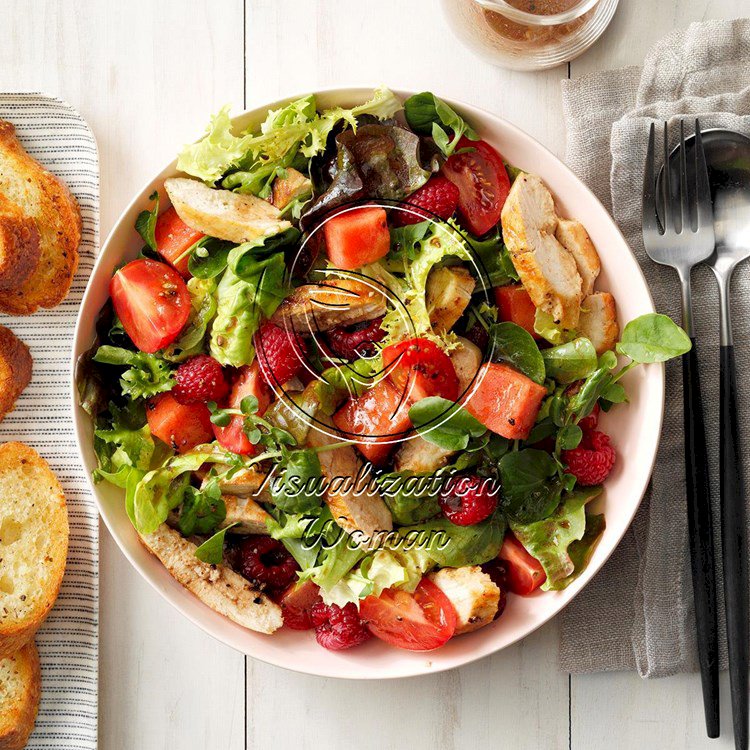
529	34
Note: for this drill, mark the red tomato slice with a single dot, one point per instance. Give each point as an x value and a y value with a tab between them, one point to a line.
173	238
248	383
183	426
525	573
418	622
152	301
296	604
420	368
483	184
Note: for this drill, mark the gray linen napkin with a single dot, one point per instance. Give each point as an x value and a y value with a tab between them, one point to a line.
637	613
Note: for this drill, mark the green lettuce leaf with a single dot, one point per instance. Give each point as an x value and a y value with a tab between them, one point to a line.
294	128
418	257
146	374
202	311
549	540
242	301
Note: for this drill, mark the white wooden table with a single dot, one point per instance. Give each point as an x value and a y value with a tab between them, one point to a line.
146	75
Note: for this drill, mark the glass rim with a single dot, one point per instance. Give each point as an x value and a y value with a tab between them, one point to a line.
533	19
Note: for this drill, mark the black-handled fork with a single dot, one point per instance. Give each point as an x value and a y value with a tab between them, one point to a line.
684	238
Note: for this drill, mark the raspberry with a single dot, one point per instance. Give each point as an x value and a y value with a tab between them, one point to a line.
477	335
337	628
358	340
438	196
266	561
591	462
467	500
590	422
281	353
497	570
200	379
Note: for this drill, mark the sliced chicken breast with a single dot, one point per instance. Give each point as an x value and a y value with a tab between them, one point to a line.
355	508
572	235
248	516
598	321
286	189
449	291
217	586
548	271
466	359
420	456
222	213
472	593
319	307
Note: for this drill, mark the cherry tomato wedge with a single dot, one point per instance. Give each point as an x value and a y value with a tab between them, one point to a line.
181	426
483	184
418	622
420	368
174	238
525	573
249	382
152	301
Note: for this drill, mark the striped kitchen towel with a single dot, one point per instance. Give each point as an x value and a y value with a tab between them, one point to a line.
56	135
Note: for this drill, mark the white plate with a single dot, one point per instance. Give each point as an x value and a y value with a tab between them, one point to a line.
635	430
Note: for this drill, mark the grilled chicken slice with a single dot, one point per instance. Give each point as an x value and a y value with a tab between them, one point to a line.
420	456
598	321
286	189
319	307
449	291
354	508
466	359
222	213
243	483
472	593
548	271
246	513
217	586
572	235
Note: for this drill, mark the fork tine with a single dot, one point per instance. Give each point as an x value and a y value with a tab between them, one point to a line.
704	211
666	184
685	219
650	222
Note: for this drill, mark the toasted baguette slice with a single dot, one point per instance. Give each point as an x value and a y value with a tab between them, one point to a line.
217	586
46	200
33	543
472	593
222	213
20	687
19	245
15	369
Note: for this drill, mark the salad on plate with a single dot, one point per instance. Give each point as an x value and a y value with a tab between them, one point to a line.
353	382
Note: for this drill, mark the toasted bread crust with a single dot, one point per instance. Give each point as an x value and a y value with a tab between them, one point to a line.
45	199
15	369
24	462
20	707
19	245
